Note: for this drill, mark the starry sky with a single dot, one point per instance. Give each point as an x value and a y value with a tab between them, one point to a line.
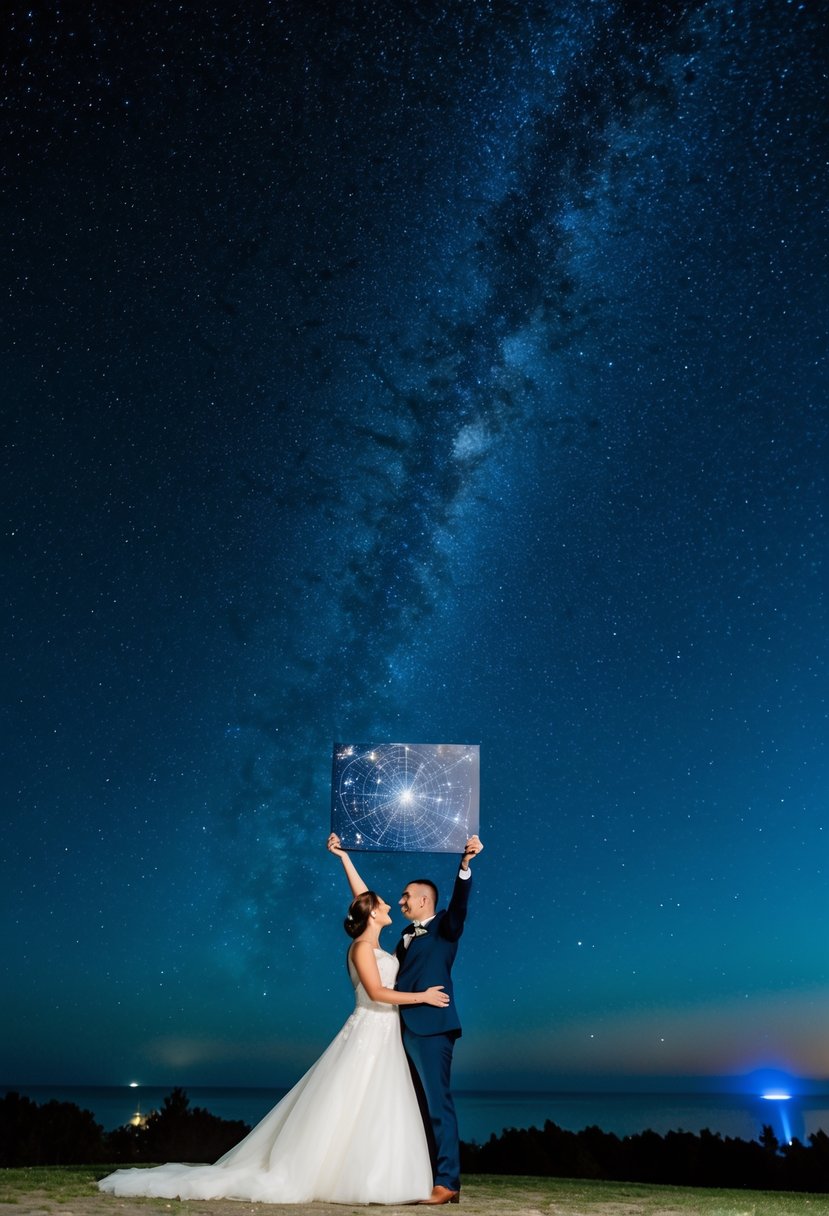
436	372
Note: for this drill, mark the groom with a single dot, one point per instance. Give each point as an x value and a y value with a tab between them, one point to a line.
426	952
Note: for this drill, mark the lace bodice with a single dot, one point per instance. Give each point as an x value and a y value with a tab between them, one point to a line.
387	965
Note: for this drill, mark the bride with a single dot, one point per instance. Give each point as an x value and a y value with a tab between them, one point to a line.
350	1131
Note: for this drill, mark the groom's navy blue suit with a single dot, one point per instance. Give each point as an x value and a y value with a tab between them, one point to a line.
429	1033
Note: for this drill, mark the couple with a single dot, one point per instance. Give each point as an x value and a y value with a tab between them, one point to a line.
351	1130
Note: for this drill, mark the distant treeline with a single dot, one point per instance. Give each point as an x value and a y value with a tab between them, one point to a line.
60	1133
677	1158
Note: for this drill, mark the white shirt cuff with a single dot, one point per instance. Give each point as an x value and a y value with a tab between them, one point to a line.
465	874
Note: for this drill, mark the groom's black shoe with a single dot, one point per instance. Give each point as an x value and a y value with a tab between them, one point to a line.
442	1194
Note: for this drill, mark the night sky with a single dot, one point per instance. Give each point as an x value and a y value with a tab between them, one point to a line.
431	372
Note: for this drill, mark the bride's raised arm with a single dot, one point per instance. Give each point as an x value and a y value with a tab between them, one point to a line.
354	880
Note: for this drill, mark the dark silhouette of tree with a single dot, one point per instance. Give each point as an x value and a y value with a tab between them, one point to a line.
807	1168
55	1133
60	1133
769	1141
177	1132
678	1158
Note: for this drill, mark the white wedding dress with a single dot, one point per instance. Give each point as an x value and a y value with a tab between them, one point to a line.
349	1131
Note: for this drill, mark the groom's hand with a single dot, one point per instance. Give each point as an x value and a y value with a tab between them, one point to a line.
473	848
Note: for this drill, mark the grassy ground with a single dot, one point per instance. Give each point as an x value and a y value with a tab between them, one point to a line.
71	1191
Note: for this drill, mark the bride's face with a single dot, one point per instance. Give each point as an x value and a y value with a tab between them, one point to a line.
380	914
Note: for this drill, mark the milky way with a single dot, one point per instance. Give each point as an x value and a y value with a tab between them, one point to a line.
427	372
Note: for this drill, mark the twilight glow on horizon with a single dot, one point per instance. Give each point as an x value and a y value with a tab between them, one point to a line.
416	371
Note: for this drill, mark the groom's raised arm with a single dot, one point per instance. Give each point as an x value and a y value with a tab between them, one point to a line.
354	880
451	925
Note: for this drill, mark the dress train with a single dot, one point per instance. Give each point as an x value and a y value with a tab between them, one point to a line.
349	1131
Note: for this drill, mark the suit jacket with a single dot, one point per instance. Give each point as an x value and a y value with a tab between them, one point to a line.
427	961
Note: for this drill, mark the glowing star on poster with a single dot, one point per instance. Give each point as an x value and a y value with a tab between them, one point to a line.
405	797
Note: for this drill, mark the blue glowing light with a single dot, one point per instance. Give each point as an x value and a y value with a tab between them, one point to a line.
781	1095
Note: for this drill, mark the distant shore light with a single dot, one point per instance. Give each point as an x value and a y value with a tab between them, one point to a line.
133	1085
777	1095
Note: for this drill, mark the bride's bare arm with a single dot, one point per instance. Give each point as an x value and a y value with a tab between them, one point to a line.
354	880
365	963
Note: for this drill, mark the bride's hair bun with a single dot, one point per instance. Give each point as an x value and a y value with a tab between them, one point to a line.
359	913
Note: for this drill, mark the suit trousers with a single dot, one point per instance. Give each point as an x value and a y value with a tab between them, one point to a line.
430	1055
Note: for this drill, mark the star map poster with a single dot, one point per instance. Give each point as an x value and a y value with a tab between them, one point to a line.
405	797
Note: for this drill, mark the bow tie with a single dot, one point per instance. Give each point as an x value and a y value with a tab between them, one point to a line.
415	929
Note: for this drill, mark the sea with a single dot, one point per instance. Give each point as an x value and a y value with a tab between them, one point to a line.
483	1113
